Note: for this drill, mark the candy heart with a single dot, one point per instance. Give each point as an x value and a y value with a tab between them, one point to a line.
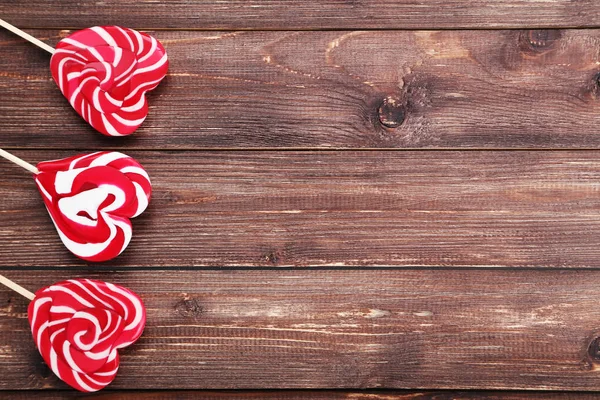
78	325
91	198
105	72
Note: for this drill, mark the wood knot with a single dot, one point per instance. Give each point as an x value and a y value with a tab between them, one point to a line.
596	83
594	350
272	257
540	40
391	112
188	307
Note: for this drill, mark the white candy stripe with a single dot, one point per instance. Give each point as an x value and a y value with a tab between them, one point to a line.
126	122
136	107
38	302
74	43
66	353
135	170
140	41
82	383
60	72
139	308
87	249
107	158
127	233
141	198
93	295
55	334
108	373
63	183
114	101
131	47
73	75
105	36
83	107
108	70
43	190
152	67
61	66
59	321
102	384
124	74
95	53
153	46
83	157
111	333
137	89
119	195
118	55
54	362
125	309
71	293
62	310
96	99
108	317
109	128
98	356
98	330
40	331
78	89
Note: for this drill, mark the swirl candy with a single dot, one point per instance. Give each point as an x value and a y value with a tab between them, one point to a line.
78	325
91	198
105	72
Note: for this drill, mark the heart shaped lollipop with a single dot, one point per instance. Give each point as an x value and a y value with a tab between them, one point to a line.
78	325
91	198
105	72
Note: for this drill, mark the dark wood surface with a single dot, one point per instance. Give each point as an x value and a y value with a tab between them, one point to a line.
379	89
310	14
368	199
360	329
299	395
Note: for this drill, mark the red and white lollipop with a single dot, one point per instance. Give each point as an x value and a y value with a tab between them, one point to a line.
91	199
79	325
105	72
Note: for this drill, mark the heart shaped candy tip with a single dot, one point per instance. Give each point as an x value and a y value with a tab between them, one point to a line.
78	325
105	71
91	198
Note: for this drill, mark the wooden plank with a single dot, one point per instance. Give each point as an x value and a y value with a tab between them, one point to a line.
399	89
327	208
425	329
298	395
311	14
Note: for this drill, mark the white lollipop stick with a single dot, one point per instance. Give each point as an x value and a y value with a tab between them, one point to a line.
19	162
27	36
19	289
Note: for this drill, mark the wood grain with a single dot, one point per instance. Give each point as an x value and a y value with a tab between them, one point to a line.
336	209
311	14
380	89
453	329
297	395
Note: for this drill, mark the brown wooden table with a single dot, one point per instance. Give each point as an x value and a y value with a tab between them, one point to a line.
363	199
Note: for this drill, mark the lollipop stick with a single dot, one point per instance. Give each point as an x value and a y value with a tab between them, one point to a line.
26	36
19	162
19	289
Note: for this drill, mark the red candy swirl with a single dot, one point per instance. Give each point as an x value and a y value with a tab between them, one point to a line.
91	198
78	325
105	72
